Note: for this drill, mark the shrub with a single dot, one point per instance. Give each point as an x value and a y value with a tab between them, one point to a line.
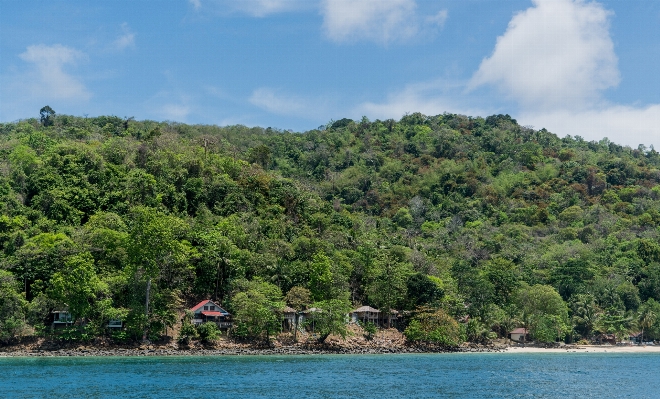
369	328
208	332
187	332
435	327
119	336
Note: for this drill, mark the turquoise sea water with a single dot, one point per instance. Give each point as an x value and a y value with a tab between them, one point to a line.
489	375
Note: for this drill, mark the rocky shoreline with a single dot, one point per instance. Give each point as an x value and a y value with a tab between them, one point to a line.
387	341
243	351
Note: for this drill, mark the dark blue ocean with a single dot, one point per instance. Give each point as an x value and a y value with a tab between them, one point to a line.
489	375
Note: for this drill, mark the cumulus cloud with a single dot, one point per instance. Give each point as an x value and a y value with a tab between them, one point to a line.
48	79
274	102
557	53
375	20
556	59
126	39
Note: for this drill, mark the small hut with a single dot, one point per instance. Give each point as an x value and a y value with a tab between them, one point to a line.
519	335
365	314
289	318
208	310
61	318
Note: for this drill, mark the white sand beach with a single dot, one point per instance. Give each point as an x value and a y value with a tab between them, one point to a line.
587	349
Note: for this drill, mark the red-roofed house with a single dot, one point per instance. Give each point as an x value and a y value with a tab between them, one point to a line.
519	335
208	310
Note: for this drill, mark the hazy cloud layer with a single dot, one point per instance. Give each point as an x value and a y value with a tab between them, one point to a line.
621	124
429	98
279	103
255	8
196	4
126	39
375	20
171	105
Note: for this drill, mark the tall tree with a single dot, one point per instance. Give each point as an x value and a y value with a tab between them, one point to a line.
647	316
76	285
388	288
47	116
257	309
541	305
12	308
331	318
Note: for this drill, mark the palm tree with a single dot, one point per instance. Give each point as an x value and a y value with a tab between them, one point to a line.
645	319
585	313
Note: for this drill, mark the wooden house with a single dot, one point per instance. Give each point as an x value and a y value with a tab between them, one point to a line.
608	339
367	314
61	318
519	335
115	324
635	337
306	318
208	310
288	318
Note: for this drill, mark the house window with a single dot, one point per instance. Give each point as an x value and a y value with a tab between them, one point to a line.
206	308
212	307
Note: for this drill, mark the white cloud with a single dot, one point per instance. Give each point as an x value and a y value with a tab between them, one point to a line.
174	112
558	53
438	19
262	8
126	39
621	124
197	4
429	98
556	59
291	105
381	21
171	105
48	78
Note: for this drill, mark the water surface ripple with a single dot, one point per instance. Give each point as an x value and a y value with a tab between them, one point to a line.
488	375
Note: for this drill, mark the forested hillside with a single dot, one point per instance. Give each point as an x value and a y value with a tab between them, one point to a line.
491	223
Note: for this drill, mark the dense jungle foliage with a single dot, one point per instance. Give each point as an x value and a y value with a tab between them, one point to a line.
477	223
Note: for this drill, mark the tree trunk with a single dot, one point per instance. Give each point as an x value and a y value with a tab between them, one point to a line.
323	338
295	327
146	310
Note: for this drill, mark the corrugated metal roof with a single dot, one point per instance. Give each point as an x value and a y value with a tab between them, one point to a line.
212	313
364	309
199	306
288	309
518	330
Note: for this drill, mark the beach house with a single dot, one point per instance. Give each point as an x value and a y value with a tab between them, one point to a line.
367	314
519	335
288	318
208	310
61	318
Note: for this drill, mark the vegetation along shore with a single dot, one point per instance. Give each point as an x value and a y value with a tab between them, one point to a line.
431	233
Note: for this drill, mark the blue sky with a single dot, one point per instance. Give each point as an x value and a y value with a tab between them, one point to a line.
574	67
